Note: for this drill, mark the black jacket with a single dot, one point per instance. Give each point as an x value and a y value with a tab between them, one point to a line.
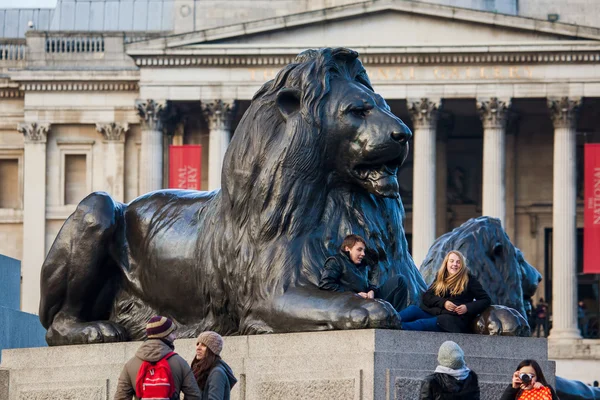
450	321
440	386
219	383
512	394
340	274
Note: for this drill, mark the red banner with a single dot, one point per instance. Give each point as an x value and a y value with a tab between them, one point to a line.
185	167
591	214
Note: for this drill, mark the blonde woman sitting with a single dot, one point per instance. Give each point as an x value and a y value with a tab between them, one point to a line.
452	301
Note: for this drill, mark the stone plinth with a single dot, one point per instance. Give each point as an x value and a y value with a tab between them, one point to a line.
361	364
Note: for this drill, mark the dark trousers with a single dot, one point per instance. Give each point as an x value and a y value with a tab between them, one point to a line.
415	319
395	292
541	323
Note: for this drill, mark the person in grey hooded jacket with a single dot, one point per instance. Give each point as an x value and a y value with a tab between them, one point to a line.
214	377
159	331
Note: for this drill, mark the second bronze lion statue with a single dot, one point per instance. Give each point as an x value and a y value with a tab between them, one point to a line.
315	157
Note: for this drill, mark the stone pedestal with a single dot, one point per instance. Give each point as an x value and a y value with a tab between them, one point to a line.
34	212
424	116
360	364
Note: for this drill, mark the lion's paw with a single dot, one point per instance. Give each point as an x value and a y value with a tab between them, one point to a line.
373	313
501	321
69	332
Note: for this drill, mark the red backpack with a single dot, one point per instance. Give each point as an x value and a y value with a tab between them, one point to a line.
155	381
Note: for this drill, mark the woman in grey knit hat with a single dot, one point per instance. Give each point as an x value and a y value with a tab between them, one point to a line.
452	379
215	378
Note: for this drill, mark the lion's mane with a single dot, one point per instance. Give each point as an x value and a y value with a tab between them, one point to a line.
491	257
279	213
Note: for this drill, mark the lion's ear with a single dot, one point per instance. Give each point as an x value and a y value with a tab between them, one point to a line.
288	101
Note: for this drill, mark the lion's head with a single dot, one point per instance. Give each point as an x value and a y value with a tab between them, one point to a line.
318	124
492	258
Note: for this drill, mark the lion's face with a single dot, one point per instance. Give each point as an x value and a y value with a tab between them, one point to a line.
366	143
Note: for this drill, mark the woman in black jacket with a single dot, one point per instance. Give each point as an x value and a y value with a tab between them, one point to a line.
452	301
529	382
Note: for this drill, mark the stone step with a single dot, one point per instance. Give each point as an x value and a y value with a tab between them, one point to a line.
492	365
409	389
473	345
421	373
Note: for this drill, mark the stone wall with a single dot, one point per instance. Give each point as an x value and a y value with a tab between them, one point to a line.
358	364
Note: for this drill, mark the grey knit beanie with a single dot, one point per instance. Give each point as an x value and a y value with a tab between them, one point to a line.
451	355
212	340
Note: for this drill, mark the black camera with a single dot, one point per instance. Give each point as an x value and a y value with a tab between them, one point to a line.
525	378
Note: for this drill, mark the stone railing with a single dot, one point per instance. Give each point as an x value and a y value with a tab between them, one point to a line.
12	52
83	49
75	44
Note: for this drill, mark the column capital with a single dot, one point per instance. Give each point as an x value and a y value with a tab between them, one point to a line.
151	113
493	112
113	132
424	112
219	113
34	132
563	111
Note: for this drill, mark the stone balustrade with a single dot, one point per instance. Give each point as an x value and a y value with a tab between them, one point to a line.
12	53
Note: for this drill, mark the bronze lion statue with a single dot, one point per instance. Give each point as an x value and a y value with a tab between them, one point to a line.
314	158
498	265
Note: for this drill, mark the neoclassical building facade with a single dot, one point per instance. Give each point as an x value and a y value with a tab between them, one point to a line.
500	106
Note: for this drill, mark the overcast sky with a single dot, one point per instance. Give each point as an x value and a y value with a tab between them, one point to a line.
27	3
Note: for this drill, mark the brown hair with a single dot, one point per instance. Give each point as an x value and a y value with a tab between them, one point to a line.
536	367
454	285
202	367
351	240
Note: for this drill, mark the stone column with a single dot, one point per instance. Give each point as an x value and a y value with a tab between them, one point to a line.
218	114
424	116
493	116
114	158
151	173
34	213
512	127
445	126
564	208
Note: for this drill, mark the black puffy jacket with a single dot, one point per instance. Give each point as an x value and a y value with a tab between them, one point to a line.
438	386
340	274
450	321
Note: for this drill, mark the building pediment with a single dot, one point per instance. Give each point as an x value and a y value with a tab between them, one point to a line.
377	23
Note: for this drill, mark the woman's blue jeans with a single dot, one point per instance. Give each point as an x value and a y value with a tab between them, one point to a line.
415	319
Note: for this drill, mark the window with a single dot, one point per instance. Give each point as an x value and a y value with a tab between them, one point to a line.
75	169
9	183
11	179
75	178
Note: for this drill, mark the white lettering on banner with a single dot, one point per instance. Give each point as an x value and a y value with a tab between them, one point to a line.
187	177
595	199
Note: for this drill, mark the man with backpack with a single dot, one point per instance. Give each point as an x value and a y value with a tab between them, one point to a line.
156	371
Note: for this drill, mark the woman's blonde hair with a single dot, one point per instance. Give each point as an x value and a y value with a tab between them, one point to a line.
454	285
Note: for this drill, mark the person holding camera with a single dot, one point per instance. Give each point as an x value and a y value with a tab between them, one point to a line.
529	383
